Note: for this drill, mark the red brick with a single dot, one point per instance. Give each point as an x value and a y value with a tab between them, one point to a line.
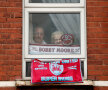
11	46
12	25
3	4
3	0
3	10
14	10
11	41
97	29
105	78
91	67
91	77
99	46
4	78
19	15
10	30
18	57
97	4
1	25
15	62
4	36
10	36
104	24
14	4
95	72
97	40
18	68
103	88
94	30
105	72
14	20
8	15
106	62
16	36
97	67
94	9
2	73
2	20
7	88
2	62
6	68
7	57
96	13
97	51
100	88
105	29
14	73
105	9
94	57
97	35
97	19
95	0
93	24
11	52
18	77
14	0
92	62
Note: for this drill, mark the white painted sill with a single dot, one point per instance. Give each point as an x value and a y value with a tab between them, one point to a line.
27	83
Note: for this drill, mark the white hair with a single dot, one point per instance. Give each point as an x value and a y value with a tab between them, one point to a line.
56	33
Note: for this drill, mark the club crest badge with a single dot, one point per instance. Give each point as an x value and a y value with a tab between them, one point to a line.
67	39
55	68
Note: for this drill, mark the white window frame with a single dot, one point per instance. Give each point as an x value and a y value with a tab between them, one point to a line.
56	10
60	7
81	4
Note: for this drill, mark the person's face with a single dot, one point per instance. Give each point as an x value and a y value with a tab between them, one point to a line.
56	39
38	36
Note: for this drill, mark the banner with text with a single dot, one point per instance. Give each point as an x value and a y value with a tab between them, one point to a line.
53	50
65	70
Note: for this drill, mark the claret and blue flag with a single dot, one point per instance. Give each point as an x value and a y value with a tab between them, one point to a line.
63	71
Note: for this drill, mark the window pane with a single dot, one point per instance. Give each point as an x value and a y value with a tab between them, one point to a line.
54	33
54	1
28	69
82	67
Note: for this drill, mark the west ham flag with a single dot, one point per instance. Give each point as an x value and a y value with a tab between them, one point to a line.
63	71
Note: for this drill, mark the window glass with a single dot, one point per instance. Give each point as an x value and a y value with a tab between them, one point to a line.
54	33
54	1
28	69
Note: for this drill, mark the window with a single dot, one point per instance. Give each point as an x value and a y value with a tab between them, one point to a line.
54	3
53	29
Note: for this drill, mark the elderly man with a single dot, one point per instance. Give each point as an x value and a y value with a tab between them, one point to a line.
39	35
56	37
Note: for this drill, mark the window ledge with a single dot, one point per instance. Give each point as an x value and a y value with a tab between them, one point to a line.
27	83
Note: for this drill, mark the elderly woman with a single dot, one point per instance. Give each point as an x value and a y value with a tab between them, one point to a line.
56	37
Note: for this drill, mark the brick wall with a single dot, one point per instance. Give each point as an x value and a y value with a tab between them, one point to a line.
10	39
97	36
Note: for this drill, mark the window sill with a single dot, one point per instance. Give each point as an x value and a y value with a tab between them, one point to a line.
27	83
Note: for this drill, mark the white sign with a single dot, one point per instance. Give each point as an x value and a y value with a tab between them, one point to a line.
34	49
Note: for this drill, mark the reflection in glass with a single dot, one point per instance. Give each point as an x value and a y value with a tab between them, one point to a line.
54	1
